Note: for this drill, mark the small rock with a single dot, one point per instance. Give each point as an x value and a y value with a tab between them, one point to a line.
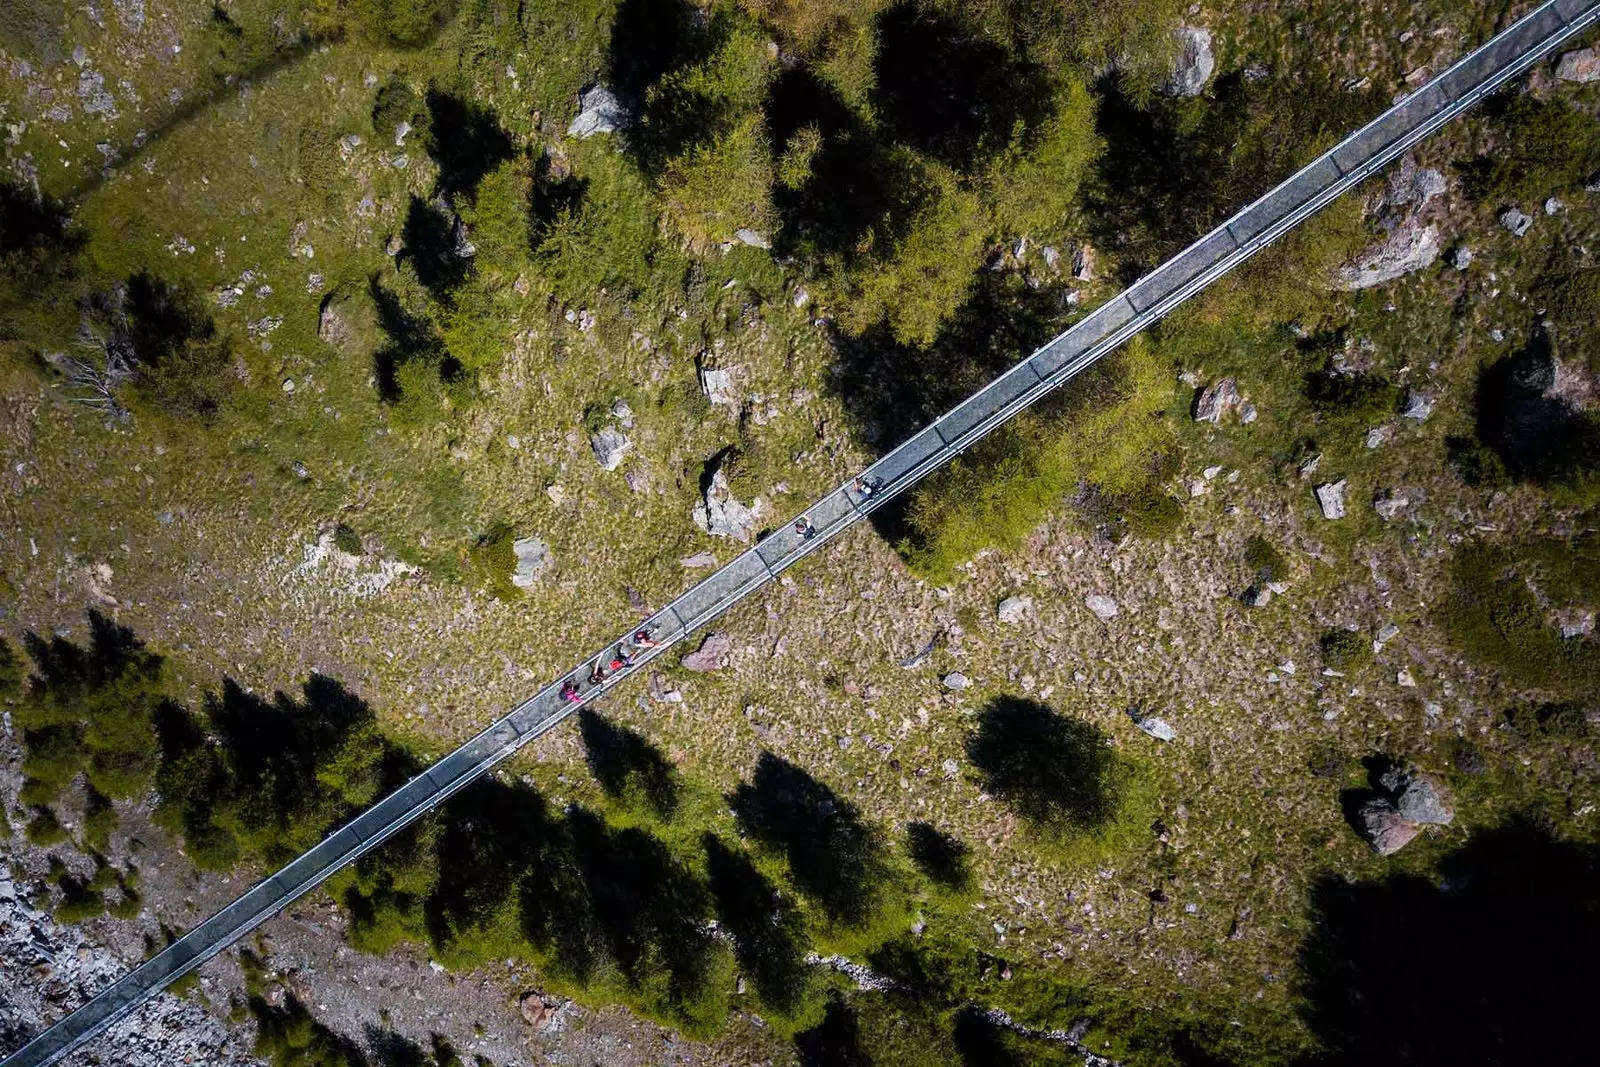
1210	473
721	515
1331	499
801	297
1216	400
1385	828
1156	728
1013	609
1575	622
392	248
536	1012
699	561
1309	467
717	384
1083	264
712	655
533	556
1248	413
1461	257
610	445
746	236
599	111
950	767
1104	607
1387	632
332	329
1258	596
1404	679
955	681
1554	206
1582	65
1378	435
1419	405
1516	221
288	385
921	655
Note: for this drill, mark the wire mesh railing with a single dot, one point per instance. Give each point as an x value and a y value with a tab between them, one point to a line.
1355	158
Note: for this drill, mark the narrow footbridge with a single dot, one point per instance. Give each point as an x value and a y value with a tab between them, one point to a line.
1358	156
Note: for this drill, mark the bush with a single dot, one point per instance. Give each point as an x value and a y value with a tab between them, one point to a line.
1545	146
1531	721
1492	615
1346	650
494	559
721	186
1263	561
1151	513
91	710
44	829
398	102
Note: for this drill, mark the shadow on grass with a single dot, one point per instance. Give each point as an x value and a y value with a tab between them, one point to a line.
1491	963
628	767
1057	773
834	857
943	858
769	935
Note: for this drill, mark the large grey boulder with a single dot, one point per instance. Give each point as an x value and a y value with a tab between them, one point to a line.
1385	829
1216	400
1410	246
1104	607
720	515
599	111
1516	220
1013	609
1582	65
533	557
1422	802
712	655
1330	498
1193	67
609	445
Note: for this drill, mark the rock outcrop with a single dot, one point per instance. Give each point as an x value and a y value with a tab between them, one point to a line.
1193	67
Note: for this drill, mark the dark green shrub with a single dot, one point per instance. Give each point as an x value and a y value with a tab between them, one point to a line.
44	829
1263	561
99	819
1530	721
395	103
12	672
347	540
1346	650
1544	147
79	900
494	558
1352	399
1151	513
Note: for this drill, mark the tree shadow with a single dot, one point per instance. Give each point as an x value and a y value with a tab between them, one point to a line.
1536	434
768	934
467	142
943	858
493	834
945	89
834	857
649	39
1055	772
432	237
1492	963
412	341
835	1041
553	195
390	1048
628	767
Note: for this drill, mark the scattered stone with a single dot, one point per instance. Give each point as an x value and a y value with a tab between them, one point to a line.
1390	507
746	236
1331	498
1516	221
1385	828
955	681
1194	64
1582	65
1422	801
1258	596
712	655
610	445
622	412
288	385
394	245
1309	467
1461	257
1014	609
533	557
1216	400
1378	435
1248	413
920	656
332	329
1155	727
1387	632
1419	405
599	111
801	297
1104	607
1210	473
950	767
1575	622
1405	679
536	1012
1554	206
1083	263
699	561
401	132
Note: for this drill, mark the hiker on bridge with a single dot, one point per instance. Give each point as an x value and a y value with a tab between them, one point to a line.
804	529
642	639
867	488
569	692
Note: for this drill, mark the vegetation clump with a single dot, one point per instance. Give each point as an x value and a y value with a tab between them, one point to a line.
1348	651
